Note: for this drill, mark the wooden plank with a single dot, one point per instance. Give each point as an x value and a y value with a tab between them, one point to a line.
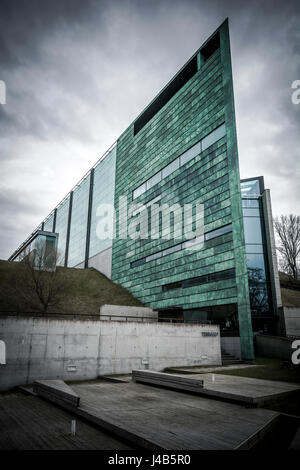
30	423
246	390
171	381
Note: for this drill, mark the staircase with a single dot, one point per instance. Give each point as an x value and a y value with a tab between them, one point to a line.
229	359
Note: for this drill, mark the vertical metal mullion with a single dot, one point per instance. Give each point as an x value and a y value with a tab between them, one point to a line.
68	229
88	228
54	220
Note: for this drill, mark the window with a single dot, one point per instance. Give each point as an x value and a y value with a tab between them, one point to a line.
218	232
197	281
250	203
195	241
48	224
172	249
210	47
252	227
256	264
153	180
78	228
185	157
252	212
139	262
190	153
182	246
138	191
103	192
61	228
153	257
250	188
172	285
170	168
254	248
213	137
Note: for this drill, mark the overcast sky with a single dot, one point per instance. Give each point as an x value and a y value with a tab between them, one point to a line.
79	72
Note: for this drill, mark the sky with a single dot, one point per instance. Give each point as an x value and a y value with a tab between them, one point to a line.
77	73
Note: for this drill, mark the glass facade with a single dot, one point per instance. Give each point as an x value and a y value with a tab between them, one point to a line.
103	193
41	250
45	246
224	315
256	251
61	227
78	228
73	237
48	224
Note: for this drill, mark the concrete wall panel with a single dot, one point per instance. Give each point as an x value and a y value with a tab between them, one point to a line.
43	348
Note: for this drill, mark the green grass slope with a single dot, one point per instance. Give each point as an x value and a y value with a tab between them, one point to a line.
83	291
290	290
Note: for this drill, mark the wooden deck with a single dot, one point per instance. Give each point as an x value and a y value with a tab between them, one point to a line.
158	419
206	369
30	423
245	390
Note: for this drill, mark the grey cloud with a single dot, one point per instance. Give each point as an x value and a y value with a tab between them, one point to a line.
78	73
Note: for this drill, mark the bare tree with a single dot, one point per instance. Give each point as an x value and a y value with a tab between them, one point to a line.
41	283
288	230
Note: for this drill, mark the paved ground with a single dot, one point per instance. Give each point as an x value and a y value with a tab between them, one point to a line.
29	423
165	419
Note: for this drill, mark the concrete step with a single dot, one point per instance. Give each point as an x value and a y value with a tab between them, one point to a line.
229	359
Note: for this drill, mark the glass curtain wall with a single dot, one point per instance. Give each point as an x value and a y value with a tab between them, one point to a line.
78	228
259	282
48	224
61	228
103	193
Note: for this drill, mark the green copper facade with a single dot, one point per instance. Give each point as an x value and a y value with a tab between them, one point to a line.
200	106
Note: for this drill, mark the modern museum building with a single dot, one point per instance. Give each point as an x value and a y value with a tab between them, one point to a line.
179	155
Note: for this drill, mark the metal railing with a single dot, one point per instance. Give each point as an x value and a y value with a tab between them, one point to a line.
126	318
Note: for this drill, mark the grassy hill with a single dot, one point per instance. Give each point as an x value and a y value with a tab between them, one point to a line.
83	291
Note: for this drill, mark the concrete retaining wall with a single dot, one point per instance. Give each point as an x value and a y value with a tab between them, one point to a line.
292	321
276	347
49	348
125	313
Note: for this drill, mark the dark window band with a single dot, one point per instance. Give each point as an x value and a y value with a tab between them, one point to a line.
183	246
178	82
198	281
